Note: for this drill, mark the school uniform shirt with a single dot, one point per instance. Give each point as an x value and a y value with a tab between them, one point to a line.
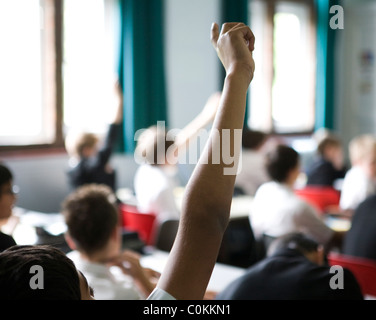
360	240
160	294
109	283
253	172
323	173
356	187
289	275
154	189
276	210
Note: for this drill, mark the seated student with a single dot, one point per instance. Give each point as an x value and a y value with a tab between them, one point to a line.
328	167
253	171
156	179
360	180
207	200
94	234
360	240
277	210
7	201
294	269
89	157
58	280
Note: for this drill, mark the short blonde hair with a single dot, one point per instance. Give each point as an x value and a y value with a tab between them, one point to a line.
76	142
362	147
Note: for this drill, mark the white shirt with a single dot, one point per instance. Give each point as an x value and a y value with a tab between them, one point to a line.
108	283
276	210
160	294
154	188
356	187
253	172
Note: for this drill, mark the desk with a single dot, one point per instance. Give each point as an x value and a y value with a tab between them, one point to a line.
222	274
240	205
337	223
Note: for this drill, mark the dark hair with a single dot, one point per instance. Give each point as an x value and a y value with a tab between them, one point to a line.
60	277
253	139
280	161
294	240
5	174
91	215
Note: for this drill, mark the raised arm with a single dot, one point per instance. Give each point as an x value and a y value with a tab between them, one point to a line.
191	130
208	196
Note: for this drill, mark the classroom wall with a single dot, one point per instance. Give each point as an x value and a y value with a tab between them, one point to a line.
356	74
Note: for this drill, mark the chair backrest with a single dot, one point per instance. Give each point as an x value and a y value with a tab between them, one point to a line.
165	236
363	269
141	222
320	197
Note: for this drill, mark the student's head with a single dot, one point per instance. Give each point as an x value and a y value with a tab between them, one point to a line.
300	242
92	219
330	148
154	147
81	144
253	139
362	150
7	195
283	164
40	273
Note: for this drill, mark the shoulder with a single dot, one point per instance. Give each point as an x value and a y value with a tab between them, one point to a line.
6	241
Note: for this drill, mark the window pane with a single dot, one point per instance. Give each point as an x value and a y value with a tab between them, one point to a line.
292	103
90	31
23	38
282	91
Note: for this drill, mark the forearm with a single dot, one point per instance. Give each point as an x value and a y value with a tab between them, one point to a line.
206	205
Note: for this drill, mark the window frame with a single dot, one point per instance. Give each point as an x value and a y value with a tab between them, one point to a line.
269	30
55	43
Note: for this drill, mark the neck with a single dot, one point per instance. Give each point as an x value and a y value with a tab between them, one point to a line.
101	256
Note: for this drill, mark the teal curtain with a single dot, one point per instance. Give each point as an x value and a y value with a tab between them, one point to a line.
234	11
141	66
325	109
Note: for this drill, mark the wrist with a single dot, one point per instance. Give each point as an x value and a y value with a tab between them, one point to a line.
240	73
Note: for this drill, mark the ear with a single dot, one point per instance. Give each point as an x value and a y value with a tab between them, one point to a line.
70	241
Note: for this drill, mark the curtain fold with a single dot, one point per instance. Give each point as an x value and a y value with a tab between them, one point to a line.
141	66
235	11
324	108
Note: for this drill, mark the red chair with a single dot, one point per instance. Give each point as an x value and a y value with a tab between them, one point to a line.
141	222
363	269
322	198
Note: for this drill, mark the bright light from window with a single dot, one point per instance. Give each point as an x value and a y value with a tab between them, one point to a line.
21	81
89	64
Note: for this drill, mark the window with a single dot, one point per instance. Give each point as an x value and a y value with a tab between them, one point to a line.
58	63
90	63
27	77
282	94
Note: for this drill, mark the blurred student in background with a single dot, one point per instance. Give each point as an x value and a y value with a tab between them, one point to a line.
328	167
156	179
277	210
360	180
89	157
7	201
294	269
253	170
